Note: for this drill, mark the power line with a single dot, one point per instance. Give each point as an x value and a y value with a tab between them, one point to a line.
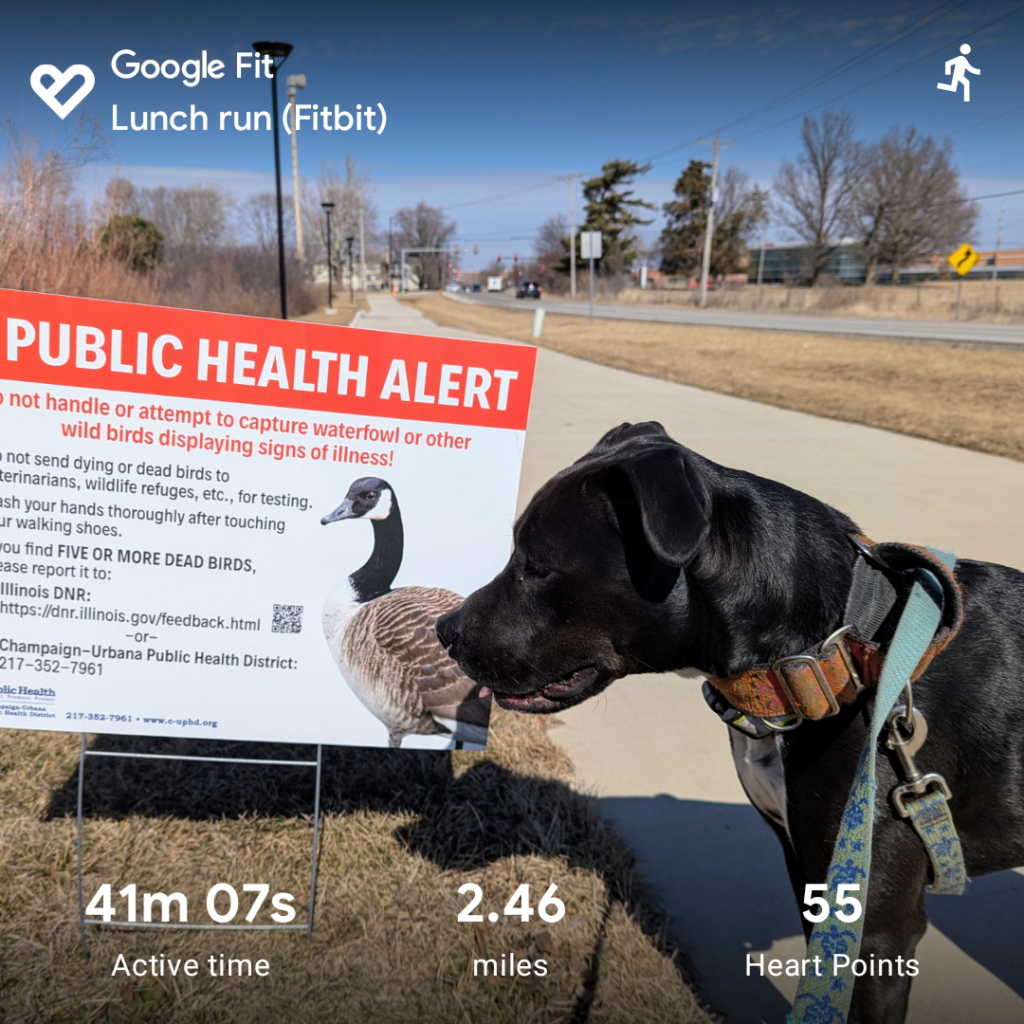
888	74
978	124
853	62
821	79
546	183
847	65
971	199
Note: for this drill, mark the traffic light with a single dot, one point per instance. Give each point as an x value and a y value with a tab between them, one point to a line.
456	250
499	257
476	250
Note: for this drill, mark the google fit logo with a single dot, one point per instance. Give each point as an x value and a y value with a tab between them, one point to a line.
48	93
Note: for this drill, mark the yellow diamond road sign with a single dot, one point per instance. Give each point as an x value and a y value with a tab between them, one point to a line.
963	259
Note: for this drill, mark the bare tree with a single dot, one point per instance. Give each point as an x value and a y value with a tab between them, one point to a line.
193	220
817	190
351	191
258	220
47	242
909	201
552	248
425	227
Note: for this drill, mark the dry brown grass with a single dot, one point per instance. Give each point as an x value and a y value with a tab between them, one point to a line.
50	243
346	312
401	832
983	301
965	396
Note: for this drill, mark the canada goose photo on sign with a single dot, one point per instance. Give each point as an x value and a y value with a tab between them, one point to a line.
218	526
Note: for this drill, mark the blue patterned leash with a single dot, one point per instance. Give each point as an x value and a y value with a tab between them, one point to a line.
824	998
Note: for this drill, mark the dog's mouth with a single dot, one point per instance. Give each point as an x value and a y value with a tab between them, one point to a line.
555	696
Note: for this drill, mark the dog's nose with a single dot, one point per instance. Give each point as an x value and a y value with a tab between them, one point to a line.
447	630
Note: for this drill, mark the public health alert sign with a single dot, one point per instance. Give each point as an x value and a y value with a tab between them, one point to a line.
222	526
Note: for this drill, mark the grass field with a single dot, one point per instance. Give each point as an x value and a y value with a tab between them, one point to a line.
402	831
346	311
966	396
987	301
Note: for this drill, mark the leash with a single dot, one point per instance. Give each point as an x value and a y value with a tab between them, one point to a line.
824	997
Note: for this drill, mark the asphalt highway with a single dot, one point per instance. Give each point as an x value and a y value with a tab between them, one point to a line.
950	332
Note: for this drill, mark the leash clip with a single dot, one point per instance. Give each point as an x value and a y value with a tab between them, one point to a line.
905	747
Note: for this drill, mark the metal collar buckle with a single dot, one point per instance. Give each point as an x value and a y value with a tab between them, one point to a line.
812	661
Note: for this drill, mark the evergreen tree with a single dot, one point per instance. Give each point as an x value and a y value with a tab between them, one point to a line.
682	238
134	241
611	209
738	212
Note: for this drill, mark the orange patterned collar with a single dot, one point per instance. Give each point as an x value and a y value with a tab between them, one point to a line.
816	684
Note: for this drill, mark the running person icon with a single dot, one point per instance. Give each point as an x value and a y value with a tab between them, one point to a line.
961	66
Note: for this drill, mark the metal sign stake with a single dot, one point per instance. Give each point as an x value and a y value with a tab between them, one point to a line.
307	927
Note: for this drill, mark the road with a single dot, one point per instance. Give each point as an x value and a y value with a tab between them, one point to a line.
951	333
658	759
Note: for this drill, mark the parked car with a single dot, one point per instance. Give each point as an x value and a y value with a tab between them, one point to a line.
453	287
528	290
475	288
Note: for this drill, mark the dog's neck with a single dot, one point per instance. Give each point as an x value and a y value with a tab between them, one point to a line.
775	592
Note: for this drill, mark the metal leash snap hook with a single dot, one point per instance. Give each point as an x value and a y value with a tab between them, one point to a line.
905	747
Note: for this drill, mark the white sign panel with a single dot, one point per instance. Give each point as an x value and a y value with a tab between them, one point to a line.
213	526
590	245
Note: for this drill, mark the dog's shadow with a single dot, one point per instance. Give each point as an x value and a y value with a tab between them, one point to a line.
461	822
726	890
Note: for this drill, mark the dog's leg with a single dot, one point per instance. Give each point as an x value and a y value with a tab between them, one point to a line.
895	924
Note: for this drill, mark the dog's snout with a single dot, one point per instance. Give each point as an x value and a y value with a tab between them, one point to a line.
447	630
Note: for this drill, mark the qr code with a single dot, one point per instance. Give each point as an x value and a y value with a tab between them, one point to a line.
287	618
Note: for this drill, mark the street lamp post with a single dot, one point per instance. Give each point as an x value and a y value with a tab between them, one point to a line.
351	284
278	54
330	310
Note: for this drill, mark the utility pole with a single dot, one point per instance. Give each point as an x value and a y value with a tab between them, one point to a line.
296	82
999	238
760	263
709	234
568	179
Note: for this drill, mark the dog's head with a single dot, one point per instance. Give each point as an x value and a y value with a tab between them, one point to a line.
594	589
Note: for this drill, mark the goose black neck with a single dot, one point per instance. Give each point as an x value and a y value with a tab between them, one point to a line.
376	576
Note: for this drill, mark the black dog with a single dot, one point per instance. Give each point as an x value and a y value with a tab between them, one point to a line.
642	556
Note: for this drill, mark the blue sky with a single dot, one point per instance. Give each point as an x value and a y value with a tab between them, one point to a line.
487	104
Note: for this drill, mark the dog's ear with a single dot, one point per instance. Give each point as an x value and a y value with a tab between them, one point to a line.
628	432
673	505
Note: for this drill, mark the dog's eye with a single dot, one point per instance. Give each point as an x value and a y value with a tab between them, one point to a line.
536	572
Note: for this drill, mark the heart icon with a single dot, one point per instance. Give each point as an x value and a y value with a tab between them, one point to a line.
48	94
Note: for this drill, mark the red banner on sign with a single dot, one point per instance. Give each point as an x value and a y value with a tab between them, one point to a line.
179	353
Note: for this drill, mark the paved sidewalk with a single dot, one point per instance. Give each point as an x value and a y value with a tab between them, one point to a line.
659	760
950	332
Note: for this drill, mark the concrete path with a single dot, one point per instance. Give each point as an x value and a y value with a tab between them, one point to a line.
957	333
659	760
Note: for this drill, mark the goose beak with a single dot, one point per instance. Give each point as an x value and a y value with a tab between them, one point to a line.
343	511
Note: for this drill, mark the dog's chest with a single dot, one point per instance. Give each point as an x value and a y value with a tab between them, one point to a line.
759	766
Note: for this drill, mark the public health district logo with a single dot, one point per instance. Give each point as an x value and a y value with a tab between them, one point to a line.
48	93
